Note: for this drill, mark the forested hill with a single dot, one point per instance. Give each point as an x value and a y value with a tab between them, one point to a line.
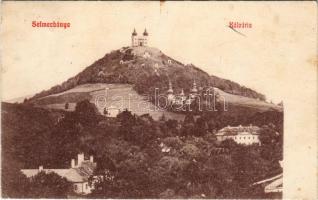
148	68
131	148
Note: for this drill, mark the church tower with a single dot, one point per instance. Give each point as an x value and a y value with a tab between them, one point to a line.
170	96
182	95
194	90
139	41
134	39
145	38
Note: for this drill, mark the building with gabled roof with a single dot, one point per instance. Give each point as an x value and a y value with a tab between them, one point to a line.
78	174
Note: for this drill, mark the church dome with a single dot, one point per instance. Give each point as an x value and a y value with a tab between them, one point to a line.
145	32
194	89
134	33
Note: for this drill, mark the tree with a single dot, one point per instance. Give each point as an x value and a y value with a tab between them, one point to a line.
86	112
14	183
268	135
272	143
172	126
229	143
104	163
48	185
201	126
189	119
127	121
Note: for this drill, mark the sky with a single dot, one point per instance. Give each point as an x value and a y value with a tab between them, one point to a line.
265	58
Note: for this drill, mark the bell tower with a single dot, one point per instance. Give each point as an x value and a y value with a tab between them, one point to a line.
134	39
139	41
170	96
145	38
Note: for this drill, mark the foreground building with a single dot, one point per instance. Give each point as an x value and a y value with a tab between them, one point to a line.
245	135
78	173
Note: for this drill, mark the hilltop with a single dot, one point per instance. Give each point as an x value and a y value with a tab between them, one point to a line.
147	68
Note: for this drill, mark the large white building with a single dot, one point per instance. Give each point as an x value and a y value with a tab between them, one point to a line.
245	135
139	40
78	173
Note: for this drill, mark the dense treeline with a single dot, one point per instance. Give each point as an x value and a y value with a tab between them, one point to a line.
42	185
144	158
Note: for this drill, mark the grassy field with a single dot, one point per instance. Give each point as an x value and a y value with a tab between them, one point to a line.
123	96
118	96
248	102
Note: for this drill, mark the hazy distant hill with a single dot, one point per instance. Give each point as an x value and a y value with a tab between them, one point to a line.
18	99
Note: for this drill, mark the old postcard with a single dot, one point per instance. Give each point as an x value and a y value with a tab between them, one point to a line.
163	100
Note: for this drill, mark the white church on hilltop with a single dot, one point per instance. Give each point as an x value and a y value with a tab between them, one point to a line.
139	40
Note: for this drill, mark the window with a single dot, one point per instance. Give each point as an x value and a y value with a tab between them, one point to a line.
75	187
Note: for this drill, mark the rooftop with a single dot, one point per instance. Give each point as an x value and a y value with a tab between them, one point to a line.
75	174
236	130
71	175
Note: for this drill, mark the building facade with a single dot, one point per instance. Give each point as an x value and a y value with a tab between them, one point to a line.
245	135
78	173
139	40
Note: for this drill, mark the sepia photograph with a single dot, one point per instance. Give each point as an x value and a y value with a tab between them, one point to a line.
156	100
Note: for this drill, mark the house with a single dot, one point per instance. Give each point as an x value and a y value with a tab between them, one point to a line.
245	135
78	173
